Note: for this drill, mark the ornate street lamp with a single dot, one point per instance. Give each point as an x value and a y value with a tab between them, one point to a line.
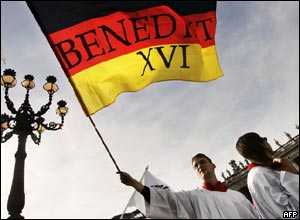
25	122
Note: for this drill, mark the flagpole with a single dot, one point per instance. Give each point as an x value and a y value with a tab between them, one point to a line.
3	58
134	192
104	144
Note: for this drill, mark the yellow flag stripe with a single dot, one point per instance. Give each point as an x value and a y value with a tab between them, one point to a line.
99	85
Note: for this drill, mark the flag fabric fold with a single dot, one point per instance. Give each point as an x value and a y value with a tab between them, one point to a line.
109	47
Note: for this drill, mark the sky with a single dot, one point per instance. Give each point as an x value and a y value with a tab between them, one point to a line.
70	174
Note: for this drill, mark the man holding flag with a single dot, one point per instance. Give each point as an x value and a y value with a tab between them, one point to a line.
212	201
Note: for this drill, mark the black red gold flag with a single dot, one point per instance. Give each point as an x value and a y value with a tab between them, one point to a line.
109	47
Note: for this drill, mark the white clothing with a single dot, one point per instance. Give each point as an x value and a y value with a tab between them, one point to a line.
273	192
199	204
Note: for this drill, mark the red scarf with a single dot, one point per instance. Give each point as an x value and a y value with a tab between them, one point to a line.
251	165
218	187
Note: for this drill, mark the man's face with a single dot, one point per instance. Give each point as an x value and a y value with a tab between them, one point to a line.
203	168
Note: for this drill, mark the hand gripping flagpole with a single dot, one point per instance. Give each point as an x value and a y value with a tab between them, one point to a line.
134	192
104	144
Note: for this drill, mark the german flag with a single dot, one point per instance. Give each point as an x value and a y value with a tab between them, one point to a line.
109	47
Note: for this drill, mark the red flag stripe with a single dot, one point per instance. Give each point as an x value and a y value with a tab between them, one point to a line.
100	39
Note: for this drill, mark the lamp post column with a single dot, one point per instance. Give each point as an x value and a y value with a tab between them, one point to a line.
16	199
25	122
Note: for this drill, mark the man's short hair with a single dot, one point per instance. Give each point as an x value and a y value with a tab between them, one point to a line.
201	156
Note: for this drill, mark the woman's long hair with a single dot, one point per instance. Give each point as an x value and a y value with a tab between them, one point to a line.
250	146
